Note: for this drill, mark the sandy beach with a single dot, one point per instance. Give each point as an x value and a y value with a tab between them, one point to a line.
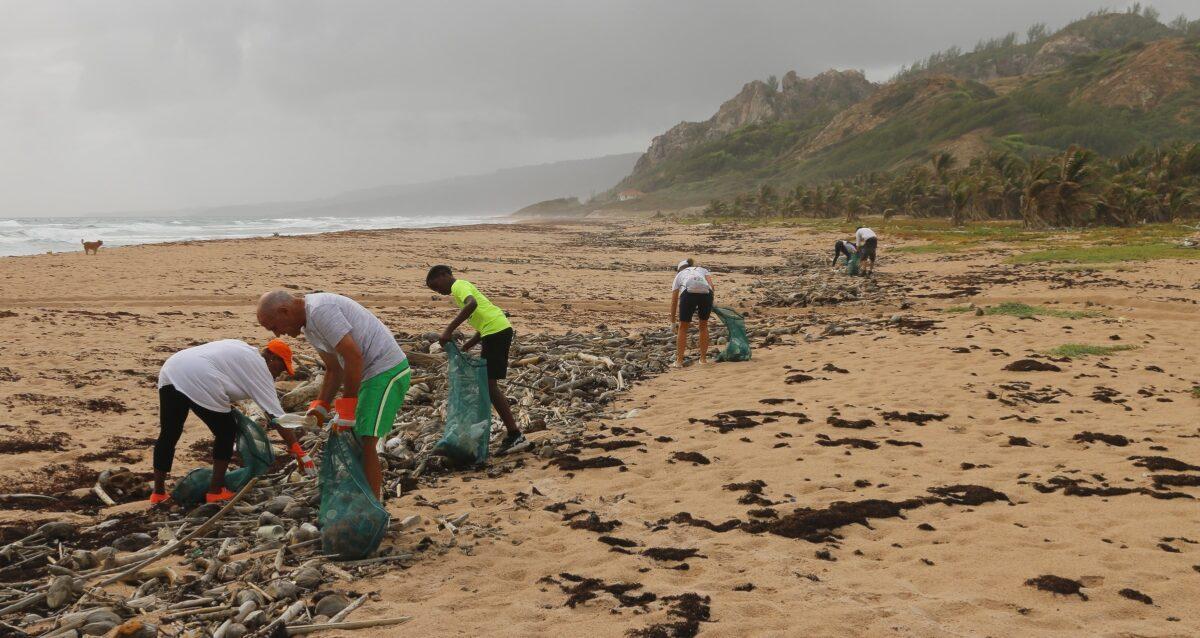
889	466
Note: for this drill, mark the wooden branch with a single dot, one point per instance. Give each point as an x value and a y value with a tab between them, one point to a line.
300	630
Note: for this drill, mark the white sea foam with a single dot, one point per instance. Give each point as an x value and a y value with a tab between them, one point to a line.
35	235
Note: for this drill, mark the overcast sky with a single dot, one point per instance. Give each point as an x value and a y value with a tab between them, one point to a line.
122	105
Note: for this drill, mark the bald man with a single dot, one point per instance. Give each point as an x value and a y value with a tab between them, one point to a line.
361	357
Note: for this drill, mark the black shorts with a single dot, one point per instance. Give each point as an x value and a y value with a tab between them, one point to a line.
868	250
495	352
691	302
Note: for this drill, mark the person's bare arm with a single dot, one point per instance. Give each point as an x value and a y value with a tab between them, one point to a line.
469	306
674	305
352	361
333	377
711	287
472	342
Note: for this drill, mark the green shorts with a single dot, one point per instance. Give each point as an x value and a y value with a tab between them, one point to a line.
379	399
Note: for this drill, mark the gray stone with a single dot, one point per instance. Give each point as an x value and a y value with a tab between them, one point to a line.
62	591
133	542
309	578
236	630
256	619
281	589
330	605
57	530
278	504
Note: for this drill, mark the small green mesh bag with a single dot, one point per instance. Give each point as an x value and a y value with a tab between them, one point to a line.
852	265
352	520
738	347
257	458
468	410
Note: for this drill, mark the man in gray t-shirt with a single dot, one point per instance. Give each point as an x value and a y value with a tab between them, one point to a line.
329	317
362	359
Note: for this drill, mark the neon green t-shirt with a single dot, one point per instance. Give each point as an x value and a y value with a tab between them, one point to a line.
488	319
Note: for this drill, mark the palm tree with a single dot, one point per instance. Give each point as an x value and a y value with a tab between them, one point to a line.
942	163
1055	192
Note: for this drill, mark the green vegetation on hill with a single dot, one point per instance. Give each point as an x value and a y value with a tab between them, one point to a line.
1088	125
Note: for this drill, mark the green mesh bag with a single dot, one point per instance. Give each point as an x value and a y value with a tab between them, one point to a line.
468	410
352	520
738	346
257	458
852	265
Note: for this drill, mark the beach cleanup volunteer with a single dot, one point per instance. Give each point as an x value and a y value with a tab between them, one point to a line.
206	380
493	330
868	244
843	247
361	358
691	294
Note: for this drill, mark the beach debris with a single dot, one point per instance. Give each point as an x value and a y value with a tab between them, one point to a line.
1058	585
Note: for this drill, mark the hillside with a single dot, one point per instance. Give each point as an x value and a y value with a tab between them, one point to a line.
499	192
1111	82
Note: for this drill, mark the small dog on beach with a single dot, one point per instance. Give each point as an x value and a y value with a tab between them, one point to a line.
91	247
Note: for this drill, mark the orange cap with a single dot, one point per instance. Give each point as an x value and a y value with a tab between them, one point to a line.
283	351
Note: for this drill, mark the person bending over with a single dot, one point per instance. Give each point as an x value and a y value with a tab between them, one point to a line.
206	380
843	247
867	246
362	359
691	294
493	330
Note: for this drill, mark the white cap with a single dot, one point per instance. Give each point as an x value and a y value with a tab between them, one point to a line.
683	264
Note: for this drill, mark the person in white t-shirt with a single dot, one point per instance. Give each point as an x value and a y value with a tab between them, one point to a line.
867	245
691	294
206	380
843	247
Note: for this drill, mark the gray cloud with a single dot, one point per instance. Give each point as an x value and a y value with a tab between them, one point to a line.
155	104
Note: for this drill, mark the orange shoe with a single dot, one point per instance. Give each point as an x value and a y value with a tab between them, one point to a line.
223	495
156	497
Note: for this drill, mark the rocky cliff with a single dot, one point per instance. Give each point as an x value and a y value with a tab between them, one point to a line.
758	102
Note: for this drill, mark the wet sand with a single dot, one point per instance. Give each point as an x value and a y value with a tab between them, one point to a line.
879	472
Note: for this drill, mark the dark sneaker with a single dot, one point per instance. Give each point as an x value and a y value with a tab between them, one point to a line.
513	443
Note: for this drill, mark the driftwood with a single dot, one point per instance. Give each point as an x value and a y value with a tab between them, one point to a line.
300	630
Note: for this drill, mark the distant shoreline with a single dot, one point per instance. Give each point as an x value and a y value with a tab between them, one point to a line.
26	237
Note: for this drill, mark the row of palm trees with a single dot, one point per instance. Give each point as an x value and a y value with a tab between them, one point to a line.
1074	188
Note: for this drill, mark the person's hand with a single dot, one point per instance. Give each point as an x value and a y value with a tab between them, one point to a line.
446	337
674	326
320	410
345	408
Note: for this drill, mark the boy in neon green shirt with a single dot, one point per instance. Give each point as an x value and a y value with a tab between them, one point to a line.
493	330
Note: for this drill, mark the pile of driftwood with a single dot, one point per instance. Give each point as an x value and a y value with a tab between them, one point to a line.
808	279
253	566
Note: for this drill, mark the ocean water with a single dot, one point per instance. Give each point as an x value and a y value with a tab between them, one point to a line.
36	235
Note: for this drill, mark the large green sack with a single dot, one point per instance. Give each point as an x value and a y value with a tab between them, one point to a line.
257	458
853	267
468	410
352	520
738	347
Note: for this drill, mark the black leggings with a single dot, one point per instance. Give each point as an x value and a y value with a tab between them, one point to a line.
839	249
173	407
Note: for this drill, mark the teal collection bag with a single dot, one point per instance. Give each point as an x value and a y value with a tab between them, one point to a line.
352	520
738	347
257	458
852	265
468	410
